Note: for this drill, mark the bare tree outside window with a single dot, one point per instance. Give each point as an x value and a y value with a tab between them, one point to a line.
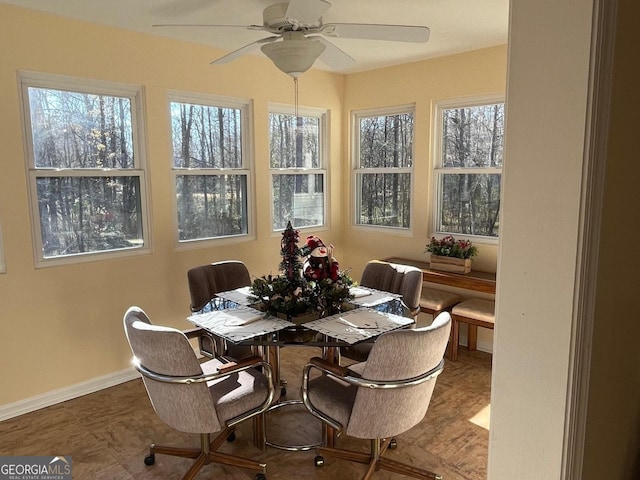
297	169
210	172
469	169
84	171
384	170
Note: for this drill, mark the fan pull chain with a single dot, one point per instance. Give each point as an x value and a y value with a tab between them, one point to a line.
295	82
298	129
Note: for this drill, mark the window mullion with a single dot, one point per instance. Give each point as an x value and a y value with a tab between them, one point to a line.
468	171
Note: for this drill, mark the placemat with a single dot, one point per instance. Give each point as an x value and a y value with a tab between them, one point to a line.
359	324
238	324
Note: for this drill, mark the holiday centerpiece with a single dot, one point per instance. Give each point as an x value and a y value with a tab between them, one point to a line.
310	283
451	255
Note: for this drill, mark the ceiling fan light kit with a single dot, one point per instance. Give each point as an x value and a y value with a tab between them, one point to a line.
294	56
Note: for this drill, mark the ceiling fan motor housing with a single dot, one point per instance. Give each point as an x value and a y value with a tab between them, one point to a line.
276	21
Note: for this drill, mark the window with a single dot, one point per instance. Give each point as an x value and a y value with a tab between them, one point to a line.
85	160
210	166
298	172
468	166
383	174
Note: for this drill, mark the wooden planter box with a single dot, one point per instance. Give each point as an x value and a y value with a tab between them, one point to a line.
450	264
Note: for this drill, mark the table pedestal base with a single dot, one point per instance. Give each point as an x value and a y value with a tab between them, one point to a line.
291	448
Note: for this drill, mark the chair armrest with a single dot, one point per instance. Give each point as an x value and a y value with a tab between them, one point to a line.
352	378
225	371
405	382
343	373
194	332
233	366
203	337
329	367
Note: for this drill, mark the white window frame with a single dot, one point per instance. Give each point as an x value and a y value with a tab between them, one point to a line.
246	108
135	93
357	170
323	145
438	169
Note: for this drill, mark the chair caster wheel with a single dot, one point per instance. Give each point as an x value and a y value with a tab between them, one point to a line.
260	476
231	437
393	443
150	459
319	460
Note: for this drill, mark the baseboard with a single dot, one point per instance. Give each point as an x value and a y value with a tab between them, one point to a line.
60	395
485	336
483	344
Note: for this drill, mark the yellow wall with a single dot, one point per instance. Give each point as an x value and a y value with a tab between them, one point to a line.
480	72
60	326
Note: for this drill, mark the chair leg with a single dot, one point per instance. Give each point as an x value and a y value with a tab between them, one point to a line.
259	431
226	459
407	470
207	453
358	457
472	338
234	461
455	338
278	381
375	461
174	451
374	458
200	462
329	436
209	445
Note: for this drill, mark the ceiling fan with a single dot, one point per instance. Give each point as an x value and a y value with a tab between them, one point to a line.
298	34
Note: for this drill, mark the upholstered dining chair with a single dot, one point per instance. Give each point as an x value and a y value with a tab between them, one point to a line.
194	397
380	398
405	280
205	282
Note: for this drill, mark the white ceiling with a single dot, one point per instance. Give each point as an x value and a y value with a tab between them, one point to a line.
456	25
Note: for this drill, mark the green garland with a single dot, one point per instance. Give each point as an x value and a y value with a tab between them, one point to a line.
291	294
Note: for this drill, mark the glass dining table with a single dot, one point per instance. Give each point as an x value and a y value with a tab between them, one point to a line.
236	318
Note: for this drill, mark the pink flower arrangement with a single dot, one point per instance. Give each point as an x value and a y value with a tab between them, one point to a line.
450	247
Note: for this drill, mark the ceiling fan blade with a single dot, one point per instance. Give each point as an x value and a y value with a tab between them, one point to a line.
334	57
396	33
306	11
209	25
243	50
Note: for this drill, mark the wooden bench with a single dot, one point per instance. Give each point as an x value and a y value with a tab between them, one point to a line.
475	312
434	300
